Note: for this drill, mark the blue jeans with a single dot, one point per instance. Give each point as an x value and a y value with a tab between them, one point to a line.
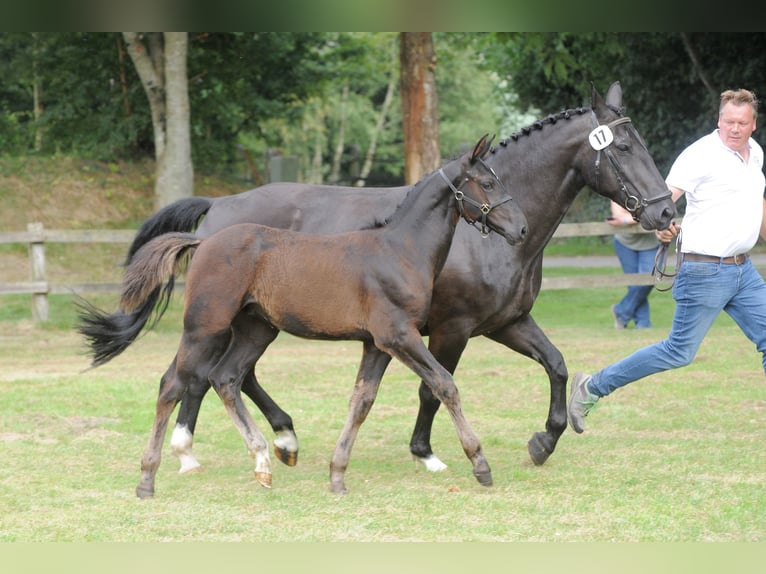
634	306
701	292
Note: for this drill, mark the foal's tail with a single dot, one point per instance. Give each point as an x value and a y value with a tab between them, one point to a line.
153	265
110	334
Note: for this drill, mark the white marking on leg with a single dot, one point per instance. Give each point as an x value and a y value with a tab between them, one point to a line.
286	440
432	463
181	445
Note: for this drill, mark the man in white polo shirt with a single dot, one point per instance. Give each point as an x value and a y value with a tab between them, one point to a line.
722	177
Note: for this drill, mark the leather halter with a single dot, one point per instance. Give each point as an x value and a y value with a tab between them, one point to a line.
632	203
485	208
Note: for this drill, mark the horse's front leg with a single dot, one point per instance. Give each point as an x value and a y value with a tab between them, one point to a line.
446	345
410	349
371	369
525	336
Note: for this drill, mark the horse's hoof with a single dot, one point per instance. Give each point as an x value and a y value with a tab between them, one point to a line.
484	477
144	492
338	488
431	462
288	457
263	478
190	469
537	450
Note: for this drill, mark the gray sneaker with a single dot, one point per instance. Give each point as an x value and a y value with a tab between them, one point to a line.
618	324
581	402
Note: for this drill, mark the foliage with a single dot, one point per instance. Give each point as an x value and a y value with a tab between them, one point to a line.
283	91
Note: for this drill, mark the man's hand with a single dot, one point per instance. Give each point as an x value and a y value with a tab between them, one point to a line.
667	235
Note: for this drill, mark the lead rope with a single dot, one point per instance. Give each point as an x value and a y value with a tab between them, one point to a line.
660	264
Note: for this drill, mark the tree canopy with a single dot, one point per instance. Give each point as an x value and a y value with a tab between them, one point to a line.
312	95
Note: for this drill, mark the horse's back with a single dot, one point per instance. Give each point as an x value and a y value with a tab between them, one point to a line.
304	207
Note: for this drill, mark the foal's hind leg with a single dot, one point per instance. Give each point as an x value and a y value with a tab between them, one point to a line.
190	366
526	337
371	369
286	443
181	442
171	390
250	337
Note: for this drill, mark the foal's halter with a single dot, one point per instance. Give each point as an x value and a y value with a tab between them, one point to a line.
633	203
485	208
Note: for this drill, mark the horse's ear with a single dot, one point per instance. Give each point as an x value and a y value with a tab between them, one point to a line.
595	97
482	147
614	96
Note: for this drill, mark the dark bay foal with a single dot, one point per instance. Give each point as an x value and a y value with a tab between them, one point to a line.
247	282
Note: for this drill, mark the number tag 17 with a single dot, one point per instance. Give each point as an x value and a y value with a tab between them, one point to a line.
600	137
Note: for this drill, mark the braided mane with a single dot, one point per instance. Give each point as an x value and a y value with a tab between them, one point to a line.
538	125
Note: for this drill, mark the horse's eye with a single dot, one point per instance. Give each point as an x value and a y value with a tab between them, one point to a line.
623	147
487	185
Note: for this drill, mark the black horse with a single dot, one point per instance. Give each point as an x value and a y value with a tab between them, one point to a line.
247	282
485	288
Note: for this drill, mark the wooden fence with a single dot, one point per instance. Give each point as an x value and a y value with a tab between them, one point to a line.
36	237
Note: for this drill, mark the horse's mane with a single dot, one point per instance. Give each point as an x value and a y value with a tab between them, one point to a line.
525	131
539	124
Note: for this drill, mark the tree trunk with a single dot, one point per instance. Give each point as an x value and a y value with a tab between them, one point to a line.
420	113
367	166
160	60
340	144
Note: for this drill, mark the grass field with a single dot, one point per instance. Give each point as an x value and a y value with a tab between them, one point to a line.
678	457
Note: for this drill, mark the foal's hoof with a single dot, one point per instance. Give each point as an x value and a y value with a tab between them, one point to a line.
338	488
537	450
263	478
144	492
484	477
288	457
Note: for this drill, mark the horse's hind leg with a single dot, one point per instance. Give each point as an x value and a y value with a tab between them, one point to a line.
249	339
371	369
526	337
171	390
189	369
181	440
286	443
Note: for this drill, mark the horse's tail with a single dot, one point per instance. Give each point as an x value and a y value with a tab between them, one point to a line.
182	215
151	266
110	334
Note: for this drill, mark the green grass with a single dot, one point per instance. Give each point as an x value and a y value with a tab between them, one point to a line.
677	457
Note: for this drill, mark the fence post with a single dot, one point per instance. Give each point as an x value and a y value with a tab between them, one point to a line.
37	266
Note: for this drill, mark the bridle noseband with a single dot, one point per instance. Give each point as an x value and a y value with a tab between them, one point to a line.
633	203
484	208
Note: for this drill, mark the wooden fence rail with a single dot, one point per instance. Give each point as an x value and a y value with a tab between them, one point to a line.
36	237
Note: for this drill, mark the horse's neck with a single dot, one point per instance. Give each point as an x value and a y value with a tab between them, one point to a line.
545	171
427	216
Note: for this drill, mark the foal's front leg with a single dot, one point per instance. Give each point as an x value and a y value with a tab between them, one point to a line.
413	353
